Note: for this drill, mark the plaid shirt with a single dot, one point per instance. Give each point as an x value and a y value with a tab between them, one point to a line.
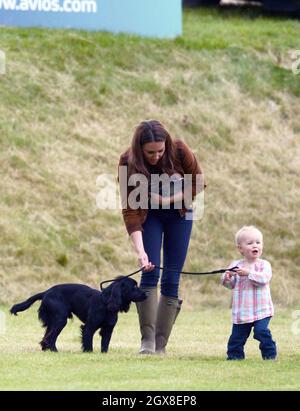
251	295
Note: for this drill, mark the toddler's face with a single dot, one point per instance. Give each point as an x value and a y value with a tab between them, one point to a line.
251	245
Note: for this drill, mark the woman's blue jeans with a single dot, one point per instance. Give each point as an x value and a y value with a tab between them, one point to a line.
240	334
167	228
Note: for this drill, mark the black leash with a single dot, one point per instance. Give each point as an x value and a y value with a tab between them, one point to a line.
124	276
222	270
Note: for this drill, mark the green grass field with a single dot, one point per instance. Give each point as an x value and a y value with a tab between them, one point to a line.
195	359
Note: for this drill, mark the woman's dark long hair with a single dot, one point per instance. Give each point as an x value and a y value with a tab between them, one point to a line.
147	132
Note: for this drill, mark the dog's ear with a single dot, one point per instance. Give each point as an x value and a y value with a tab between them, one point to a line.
126	293
115	299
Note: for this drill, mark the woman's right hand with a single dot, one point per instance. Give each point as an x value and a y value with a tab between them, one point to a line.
144	262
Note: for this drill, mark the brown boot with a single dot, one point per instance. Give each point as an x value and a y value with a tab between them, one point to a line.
167	312
147	311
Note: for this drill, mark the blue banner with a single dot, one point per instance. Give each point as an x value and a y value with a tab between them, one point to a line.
154	18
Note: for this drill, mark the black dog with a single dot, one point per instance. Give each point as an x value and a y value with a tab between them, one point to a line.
94	308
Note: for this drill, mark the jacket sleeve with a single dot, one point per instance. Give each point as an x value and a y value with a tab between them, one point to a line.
191	166
132	218
261	278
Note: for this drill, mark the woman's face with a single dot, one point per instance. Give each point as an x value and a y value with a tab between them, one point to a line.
154	151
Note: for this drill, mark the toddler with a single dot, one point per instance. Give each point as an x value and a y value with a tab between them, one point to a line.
252	304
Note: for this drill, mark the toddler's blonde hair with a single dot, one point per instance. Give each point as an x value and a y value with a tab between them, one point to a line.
242	230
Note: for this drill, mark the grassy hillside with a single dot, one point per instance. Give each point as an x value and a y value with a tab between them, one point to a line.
68	106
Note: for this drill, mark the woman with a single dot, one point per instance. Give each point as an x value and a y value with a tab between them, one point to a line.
157	218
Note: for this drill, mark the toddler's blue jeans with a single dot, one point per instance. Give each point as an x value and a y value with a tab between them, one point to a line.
240	334
167	228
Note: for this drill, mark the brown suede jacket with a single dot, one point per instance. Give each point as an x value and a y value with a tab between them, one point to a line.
134	219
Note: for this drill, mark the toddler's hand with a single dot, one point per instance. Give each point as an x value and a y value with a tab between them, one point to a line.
228	275
243	272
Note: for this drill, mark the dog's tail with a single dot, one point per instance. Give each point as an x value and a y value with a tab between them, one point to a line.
26	304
